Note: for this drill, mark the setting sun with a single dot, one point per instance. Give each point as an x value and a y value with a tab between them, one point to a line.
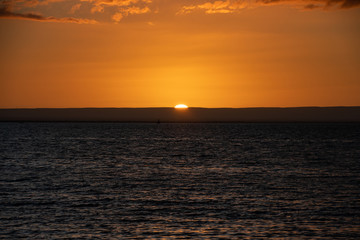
183	106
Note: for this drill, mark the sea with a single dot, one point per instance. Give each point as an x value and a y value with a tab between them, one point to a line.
179	180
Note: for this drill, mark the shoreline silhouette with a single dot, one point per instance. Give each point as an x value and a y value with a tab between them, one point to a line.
163	115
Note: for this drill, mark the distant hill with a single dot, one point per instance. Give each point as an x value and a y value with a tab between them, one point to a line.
298	114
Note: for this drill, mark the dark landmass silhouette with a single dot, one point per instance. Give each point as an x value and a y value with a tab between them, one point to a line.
297	114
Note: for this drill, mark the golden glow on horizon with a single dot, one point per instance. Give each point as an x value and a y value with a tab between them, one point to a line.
209	53
181	106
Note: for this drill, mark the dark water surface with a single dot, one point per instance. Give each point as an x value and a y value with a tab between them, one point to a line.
181	181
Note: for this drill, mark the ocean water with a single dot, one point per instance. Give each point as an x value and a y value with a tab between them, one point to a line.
179	181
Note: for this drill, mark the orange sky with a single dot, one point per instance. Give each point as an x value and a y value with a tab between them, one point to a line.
159	53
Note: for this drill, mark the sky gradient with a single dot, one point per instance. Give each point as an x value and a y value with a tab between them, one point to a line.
159	53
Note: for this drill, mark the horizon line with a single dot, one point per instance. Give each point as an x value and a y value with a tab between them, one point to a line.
314	106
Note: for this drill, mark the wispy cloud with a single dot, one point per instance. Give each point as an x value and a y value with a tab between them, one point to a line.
6	12
117	17
21	9
129	11
75	8
231	6
99	5
324	4
117	10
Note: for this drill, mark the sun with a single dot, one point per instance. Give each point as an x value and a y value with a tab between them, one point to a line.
182	106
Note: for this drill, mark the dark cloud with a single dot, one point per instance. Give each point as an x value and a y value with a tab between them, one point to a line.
6	12
312	4
350	3
120	8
